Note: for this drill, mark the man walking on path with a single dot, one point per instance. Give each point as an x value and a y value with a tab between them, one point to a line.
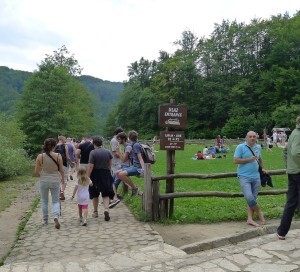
70	157
248	157
99	170
116	162
62	149
83	151
291	155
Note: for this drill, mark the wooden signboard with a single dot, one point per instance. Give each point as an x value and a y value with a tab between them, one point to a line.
172	140
172	115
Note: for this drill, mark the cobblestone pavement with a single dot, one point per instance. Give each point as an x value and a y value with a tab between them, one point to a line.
124	244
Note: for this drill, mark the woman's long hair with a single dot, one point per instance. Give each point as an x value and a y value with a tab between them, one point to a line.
49	144
83	179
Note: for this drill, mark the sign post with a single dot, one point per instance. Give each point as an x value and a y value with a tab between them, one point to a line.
171	116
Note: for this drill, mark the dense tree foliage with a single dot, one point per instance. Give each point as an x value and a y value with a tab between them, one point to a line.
240	78
55	102
13	159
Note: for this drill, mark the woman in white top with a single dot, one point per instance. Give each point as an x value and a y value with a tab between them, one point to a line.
49	168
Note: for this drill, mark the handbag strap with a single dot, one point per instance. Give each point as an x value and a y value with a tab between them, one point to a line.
253	154
53	160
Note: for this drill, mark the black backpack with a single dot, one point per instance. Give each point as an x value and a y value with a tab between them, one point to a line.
60	148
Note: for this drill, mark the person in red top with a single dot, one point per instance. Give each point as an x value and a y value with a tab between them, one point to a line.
200	156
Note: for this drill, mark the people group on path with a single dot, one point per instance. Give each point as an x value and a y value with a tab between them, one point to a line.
100	171
96	171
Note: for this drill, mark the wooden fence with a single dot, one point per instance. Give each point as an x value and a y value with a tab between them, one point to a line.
227	142
157	206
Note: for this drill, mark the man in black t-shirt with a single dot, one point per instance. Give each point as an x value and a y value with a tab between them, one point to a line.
83	151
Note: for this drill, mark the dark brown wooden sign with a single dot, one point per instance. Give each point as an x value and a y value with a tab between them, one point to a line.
172	140
172	115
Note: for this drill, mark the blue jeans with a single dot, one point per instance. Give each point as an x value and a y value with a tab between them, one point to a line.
292	202
54	188
250	187
116	180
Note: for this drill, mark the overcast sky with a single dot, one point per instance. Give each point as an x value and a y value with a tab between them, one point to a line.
106	36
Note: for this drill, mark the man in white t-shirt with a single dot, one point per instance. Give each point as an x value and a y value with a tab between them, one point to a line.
116	162
114	146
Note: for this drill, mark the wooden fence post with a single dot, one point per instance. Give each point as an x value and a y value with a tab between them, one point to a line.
148	196
156	194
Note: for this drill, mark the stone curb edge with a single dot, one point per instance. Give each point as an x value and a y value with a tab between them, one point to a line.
229	240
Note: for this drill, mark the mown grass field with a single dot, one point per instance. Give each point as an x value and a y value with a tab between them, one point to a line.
212	209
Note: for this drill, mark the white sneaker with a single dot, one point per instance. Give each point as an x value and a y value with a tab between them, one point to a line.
84	222
114	203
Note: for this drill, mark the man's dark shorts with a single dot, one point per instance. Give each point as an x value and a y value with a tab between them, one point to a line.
102	183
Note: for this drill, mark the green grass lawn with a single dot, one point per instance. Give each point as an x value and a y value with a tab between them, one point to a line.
212	209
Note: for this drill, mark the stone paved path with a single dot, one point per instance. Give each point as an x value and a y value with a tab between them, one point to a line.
41	243
124	244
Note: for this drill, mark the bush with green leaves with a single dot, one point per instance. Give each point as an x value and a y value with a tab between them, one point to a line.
13	160
239	125
285	116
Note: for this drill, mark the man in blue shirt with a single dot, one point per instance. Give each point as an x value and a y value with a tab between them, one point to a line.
248	174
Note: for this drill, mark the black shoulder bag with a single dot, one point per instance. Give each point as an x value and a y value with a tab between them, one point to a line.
265	179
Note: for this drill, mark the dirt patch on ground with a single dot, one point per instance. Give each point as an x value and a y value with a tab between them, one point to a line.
11	218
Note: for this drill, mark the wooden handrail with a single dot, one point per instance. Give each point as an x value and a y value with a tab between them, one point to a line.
213	176
216	194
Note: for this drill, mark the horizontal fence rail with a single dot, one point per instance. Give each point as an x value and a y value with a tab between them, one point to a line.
227	142
212	176
216	194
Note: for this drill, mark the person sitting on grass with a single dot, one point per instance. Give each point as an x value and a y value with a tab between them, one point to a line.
205	151
212	151
200	156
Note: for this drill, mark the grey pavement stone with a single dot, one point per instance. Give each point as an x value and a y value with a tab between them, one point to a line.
257	252
35	268
73	267
270	268
240	259
223	263
98	266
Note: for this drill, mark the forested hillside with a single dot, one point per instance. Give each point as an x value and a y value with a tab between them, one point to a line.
242	77
11	85
105	93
